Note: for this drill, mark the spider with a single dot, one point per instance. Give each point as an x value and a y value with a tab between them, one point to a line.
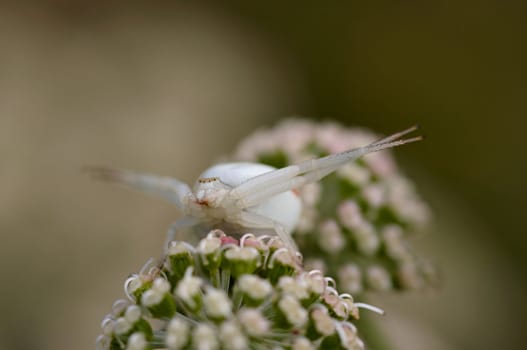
248	196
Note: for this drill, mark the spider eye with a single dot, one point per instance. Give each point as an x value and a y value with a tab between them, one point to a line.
208	179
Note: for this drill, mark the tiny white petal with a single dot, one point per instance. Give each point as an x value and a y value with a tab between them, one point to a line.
209	245
323	322
350	278
315	281
306	222
367	240
217	303
103	342
311	193
293	286
132	284
330	238
253	321
177	247
242	253
107	326
204	337
133	313
119	306
137	341
354	172
151	297
374	194
349	214
293	311
232	337
254	286
302	343
177	334
122	326
161	285
188	288
378	278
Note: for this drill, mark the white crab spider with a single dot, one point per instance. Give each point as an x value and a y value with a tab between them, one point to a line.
247	195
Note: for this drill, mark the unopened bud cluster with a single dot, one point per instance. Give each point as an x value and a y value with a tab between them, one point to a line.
355	222
230	294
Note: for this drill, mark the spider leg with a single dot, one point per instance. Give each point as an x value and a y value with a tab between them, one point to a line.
330	163
171	189
397	135
177	226
256	221
262	187
260	195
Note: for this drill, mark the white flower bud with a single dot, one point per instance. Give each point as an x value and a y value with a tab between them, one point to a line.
137	341
217	303
254	286
176	248
367	240
315	282
243	254
292	310
293	286
132	314
253	321
204	337
232	337
392	236
177	334
209	245
349	214
381	164
337	305
348	336
131	285
107	326
355	173
306	223
310	193
161	285
119	306
151	297
374	194
378	278
103	342
188	288
324	324
330	238
302	343
350	278
122	326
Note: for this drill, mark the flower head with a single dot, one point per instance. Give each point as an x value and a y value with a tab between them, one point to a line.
230	294
355	221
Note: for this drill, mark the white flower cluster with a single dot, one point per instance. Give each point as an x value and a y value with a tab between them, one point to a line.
354	222
230	294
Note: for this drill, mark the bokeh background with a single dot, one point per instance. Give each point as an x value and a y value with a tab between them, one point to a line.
169	87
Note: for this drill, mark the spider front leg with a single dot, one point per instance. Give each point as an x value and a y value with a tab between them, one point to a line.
257	221
177	227
169	188
261	187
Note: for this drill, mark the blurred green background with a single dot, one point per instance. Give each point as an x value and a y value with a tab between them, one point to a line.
169	87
